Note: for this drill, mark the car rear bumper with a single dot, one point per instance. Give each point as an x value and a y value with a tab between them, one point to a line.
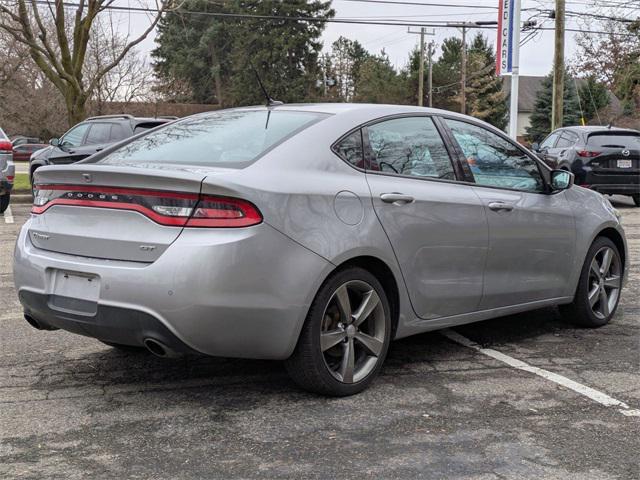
619	183
223	292
7	173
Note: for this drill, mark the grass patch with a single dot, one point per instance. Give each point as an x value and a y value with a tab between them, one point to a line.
21	183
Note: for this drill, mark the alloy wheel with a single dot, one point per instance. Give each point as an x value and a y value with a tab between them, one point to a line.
605	281
353	331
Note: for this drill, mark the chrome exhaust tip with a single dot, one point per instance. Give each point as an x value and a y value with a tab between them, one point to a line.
159	349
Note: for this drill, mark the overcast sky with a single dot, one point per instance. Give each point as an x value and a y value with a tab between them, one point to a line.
535	57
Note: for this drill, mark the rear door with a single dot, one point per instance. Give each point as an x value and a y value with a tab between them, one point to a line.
437	226
614	152
531	233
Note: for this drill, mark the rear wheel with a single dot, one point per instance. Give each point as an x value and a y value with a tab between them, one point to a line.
599	286
636	199
4	202
346	335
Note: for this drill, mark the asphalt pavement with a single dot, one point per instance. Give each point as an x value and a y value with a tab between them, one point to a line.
521	397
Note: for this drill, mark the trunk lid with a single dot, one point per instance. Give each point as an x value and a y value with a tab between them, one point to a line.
111	212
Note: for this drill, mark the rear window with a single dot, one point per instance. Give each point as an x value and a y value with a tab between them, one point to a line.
617	140
230	139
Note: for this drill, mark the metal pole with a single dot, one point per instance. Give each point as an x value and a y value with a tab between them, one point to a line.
421	72
558	69
463	69
430	81
515	71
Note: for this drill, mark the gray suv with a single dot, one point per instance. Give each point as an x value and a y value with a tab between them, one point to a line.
91	136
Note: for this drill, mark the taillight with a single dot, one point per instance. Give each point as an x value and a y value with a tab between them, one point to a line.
6	147
166	208
588	153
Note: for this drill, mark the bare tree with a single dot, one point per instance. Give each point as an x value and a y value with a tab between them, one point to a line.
61	56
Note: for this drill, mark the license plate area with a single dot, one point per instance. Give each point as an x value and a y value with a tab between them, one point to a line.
624	163
74	292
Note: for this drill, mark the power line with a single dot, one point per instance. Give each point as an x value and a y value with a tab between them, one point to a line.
424	4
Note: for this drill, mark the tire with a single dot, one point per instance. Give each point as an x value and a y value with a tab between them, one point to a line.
636	199
591	284
4	202
366	337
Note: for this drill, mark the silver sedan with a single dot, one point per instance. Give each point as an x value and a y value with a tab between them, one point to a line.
315	234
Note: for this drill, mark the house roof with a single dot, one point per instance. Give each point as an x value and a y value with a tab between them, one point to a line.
528	87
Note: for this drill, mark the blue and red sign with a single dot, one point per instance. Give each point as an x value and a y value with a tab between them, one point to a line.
504	52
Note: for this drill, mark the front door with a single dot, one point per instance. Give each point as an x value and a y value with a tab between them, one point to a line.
532	232
437	227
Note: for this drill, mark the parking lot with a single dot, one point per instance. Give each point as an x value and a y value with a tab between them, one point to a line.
71	407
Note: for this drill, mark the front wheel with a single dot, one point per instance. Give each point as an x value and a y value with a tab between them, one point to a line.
599	286
345	337
4	202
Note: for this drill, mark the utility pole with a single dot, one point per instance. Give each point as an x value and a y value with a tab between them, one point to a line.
430	81
422	33
558	68
463	71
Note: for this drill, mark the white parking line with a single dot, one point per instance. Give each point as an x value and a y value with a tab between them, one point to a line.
595	395
8	215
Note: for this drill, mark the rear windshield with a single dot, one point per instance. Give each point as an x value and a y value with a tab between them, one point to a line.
618	140
232	138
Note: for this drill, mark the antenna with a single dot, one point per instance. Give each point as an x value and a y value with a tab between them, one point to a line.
270	101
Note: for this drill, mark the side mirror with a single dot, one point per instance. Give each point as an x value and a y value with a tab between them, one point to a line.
535	146
54	142
561	180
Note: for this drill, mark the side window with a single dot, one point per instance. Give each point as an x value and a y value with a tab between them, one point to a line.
550	141
73	138
567	139
409	146
99	133
350	149
495	161
117	133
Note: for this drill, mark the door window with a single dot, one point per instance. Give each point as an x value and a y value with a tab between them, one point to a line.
495	161
550	141
350	149
409	146
73	138
117	133
98	134
566	140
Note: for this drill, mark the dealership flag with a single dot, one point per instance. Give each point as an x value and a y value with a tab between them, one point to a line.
504	54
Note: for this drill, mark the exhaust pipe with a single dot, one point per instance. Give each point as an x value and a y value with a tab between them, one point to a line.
36	324
159	349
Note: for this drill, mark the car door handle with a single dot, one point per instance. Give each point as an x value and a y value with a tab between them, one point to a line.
499	206
396	198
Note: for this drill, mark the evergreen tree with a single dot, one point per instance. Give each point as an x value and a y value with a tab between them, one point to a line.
212	57
540	120
593	96
347	57
378	81
446	75
486	99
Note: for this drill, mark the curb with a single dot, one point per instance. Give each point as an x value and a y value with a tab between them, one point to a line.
21	198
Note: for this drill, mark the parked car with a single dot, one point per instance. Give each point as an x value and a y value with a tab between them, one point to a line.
604	159
91	136
314	234
21	140
23	152
7	171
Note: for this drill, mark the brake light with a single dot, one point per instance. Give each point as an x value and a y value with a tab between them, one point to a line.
10	178
166	208
6	147
588	153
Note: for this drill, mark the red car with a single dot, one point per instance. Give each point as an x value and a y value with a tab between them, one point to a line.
23	152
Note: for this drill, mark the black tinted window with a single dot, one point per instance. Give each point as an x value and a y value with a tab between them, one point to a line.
229	138
350	149
409	146
614	141
495	161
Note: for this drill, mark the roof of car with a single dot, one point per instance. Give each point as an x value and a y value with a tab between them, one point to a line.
597	128
336	108
125	116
